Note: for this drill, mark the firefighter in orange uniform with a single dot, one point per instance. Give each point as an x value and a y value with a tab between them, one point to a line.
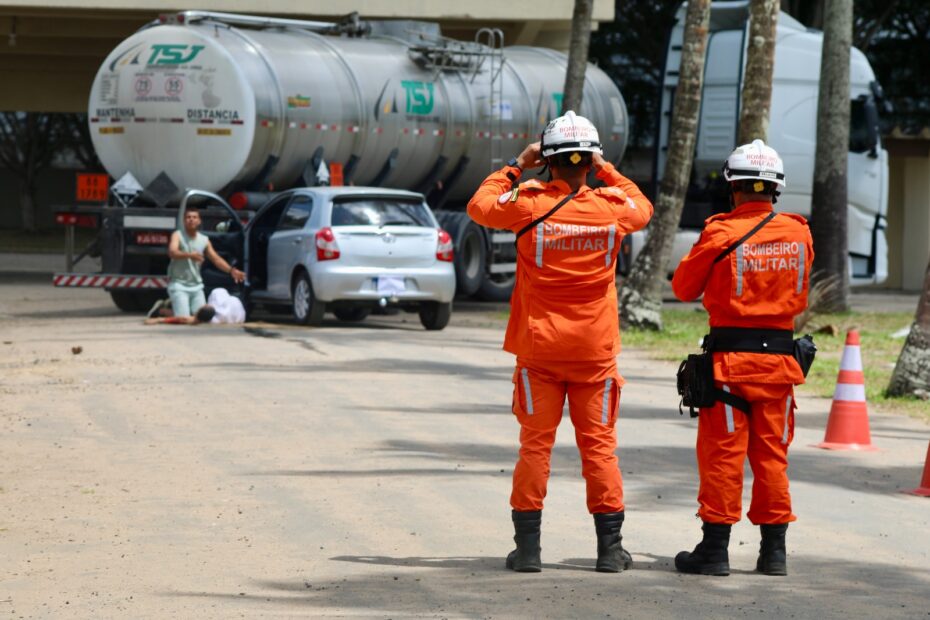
754	285
563	324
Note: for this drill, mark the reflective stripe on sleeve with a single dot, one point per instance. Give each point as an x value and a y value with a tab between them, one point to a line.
739	270
526	390
784	436
611	233
801	251
606	402
729	412
539	244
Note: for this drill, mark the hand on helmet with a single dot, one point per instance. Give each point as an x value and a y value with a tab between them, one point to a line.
530	157
598	160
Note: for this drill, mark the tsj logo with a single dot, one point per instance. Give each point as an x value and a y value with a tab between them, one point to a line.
162	54
419	96
173	54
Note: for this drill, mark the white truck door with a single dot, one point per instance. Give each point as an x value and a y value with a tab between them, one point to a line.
867	195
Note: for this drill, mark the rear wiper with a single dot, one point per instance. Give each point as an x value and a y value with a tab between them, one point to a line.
395	223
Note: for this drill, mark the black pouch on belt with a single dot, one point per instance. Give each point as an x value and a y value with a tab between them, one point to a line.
696	383
804	352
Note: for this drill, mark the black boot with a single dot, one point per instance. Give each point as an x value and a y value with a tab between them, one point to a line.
611	556
525	558
710	557
772	555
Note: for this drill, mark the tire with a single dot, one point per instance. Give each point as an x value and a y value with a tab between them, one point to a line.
305	307
496	290
434	315
470	251
352	315
135	301
470	259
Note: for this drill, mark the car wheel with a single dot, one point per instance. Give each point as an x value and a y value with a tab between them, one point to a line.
307	309
352	315
434	315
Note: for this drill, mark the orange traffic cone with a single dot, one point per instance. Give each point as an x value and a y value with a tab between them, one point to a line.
924	488
848	426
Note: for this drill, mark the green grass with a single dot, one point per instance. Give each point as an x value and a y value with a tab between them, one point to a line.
684	329
49	241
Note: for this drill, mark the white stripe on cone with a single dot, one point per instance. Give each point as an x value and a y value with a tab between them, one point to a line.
849	392
852	358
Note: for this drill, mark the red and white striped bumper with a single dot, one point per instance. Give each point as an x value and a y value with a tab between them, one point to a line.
105	280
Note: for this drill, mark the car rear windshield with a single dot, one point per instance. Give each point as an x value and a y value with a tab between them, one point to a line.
380	212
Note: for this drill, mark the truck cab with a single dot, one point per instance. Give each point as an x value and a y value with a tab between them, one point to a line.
792	132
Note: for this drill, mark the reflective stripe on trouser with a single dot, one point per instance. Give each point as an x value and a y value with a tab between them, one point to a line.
593	392
763	436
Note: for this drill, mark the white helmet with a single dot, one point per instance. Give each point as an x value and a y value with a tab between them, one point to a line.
755	161
569	133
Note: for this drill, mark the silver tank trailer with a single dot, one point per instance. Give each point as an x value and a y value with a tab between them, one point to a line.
218	107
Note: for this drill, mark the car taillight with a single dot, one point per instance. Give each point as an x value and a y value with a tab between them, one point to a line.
326	246
444	247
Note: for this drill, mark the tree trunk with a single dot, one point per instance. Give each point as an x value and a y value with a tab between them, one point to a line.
829	203
640	296
27	205
911	374
577	56
760	63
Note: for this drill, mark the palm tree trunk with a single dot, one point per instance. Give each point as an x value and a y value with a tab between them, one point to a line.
911	374
640	296
829	202
577	56
760	64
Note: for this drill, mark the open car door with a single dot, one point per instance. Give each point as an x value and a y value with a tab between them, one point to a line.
226	230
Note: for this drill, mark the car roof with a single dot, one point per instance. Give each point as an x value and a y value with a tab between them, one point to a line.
332	192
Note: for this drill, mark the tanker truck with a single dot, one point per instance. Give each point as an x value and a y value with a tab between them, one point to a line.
235	105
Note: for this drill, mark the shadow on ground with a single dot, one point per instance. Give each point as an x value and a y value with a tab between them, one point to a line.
480	587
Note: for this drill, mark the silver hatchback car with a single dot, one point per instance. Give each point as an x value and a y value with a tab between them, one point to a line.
350	250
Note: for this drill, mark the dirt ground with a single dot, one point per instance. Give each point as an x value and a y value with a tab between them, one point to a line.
365	471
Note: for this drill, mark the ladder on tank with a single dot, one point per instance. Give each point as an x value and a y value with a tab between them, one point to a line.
493	39
441	54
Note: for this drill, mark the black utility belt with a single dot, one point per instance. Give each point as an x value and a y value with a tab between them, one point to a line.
696	383
748	340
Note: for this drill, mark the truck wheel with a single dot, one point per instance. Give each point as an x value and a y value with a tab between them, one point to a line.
470	257
352	315
135	301
497	289
307	309
470	253
434	315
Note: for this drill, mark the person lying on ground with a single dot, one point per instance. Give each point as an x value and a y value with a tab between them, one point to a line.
203	315
229	309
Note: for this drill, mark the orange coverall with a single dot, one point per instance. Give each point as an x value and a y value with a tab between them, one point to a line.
563	324
762	284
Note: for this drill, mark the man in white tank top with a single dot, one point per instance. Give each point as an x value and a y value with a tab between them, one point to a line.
187	249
